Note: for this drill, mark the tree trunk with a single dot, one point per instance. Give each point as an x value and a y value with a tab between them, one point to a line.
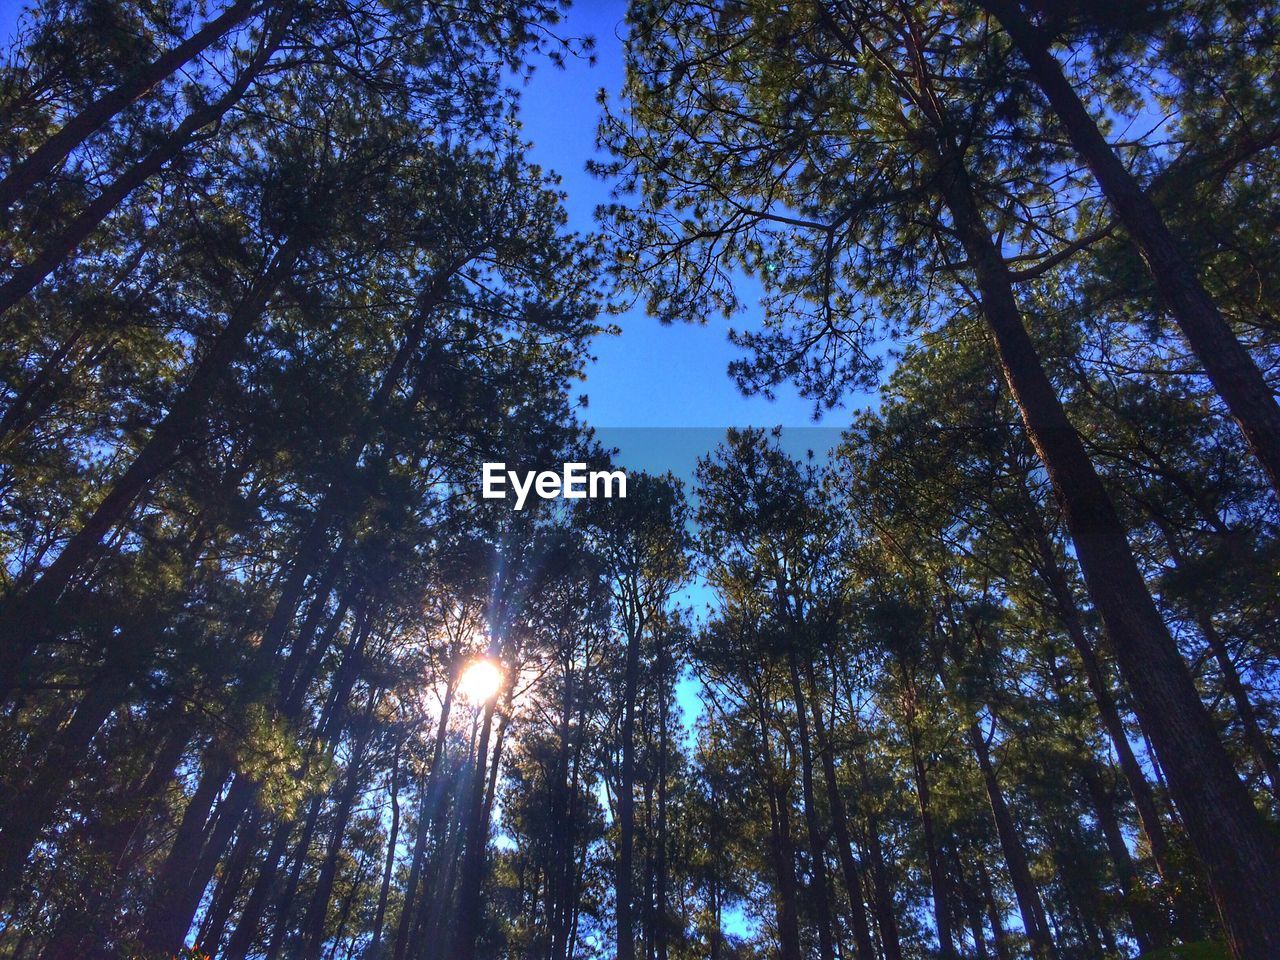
58	250
1024	887
1254	735
937	877
313	924
973	909
1072	621
1222	823
1226	361
393	837
781	848
864	948
886	919
45	159
43	789
285	902
169	914
28	618
470	917
430	794
1147	930
228	888
251	915
994	914
79	929
660	861
817	845
623	896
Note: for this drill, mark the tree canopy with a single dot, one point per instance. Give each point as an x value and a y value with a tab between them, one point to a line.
995	678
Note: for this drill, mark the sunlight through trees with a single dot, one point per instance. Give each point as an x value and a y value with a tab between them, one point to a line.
996	678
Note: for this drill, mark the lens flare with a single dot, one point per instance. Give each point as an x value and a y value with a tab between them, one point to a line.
480	681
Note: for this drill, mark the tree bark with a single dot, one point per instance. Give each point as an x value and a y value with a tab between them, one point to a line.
1070	617
57	251
429	802
1147	930
933	861
972	907
817	845
1226	361
251	914
781	848
470	918
1254	735
886	919
313	924
1222	823
45	159
998	932
227	890
863	946
393	837
43	788
30	617
660	932
1024	887
623	895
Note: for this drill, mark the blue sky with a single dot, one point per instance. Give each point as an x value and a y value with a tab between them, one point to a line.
672	378
650	375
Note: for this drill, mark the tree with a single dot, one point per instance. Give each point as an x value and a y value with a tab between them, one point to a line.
821	218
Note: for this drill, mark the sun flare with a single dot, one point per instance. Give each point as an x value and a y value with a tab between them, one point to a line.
479	681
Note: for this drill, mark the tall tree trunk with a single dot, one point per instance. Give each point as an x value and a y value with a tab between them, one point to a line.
45	159
344	909
251	914
1069	615
863	946
1222	823
933	860
185	874
246	847
393	837
562	834
625	873
886	918
817	839
285	901
1148	932
972	907
998	931
660	861
264	884
79	928
1024	887
429	803
166	918
470	917
43	788
313	923
1254	735
171	916
784	869
781	849
1234	374
58	250
30	617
